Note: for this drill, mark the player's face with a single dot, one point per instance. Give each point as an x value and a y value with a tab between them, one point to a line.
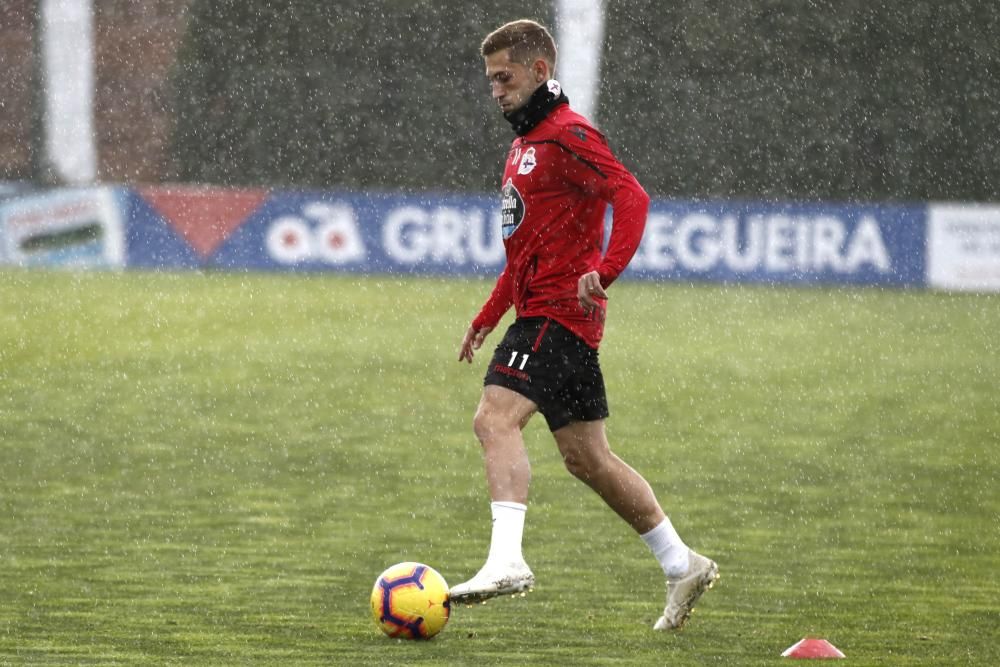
512	83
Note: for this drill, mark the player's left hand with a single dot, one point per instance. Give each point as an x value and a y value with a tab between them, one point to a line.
588	290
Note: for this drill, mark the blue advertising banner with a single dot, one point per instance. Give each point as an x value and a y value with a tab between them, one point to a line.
783	243
371	233
445	234
315	231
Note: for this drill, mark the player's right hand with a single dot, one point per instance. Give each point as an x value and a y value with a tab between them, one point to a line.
589	290
472	341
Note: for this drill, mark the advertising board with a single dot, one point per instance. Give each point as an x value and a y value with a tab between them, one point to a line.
445	234
79	227
963	243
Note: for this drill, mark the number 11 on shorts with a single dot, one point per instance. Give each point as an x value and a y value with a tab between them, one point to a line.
513	360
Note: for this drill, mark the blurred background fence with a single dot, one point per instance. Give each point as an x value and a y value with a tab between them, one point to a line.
847	100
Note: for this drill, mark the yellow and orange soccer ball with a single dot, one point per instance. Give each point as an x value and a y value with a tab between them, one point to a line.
410	601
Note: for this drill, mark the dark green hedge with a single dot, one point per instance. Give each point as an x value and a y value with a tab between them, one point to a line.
843	100
829	99
356	93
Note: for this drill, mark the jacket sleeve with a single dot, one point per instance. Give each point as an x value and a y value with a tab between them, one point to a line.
498	303
592	167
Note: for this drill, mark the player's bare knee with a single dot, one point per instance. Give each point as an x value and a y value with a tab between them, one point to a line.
488	425
585	461
581	465
481	426
576	467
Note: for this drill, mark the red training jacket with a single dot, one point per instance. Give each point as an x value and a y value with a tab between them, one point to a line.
557	182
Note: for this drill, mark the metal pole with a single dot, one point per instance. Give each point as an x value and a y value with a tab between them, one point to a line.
67	32
580	38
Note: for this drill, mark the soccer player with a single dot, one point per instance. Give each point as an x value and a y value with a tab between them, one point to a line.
558	178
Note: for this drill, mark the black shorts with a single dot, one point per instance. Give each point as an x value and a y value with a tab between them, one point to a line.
547	364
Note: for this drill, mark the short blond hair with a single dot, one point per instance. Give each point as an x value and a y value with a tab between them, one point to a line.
526	39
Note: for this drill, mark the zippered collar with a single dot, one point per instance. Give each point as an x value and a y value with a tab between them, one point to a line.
546	97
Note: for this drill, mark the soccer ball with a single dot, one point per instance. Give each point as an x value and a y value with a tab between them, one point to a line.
410	601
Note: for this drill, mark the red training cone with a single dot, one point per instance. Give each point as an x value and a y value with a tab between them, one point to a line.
812	648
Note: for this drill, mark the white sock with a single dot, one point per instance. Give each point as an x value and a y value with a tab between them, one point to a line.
508	527
668	548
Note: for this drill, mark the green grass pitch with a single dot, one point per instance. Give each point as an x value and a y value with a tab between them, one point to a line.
213	469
